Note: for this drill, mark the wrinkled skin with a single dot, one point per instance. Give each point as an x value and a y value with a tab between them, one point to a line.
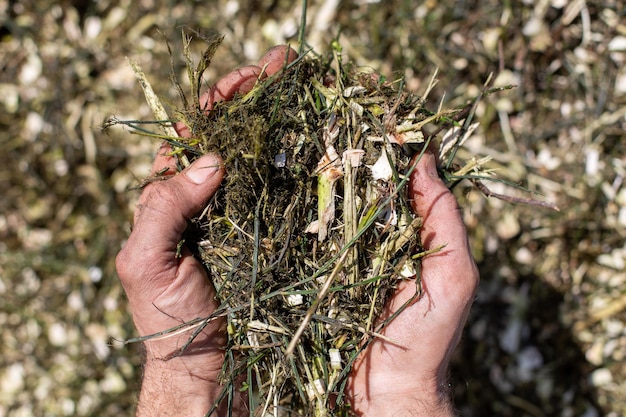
408	376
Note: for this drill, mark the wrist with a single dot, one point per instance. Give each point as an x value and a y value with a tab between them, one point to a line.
405	396
197	365
201	342
407	404
186	386
171	388
181	378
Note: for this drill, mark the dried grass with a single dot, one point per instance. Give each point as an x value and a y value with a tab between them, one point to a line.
552	284
312	227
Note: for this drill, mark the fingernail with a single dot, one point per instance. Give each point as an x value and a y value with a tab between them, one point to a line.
203	169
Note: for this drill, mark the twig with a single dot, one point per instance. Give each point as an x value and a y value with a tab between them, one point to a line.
311	311
487	192
155	105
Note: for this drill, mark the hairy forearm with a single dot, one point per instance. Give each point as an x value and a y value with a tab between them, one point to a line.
185	385
169	388
408	405
403	396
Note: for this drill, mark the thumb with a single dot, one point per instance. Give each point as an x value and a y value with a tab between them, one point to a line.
431	199
451	272
163	212
165	207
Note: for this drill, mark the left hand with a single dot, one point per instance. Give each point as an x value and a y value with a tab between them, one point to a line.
165	290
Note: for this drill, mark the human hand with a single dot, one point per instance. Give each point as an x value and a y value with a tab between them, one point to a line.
408	377
166	288
165	291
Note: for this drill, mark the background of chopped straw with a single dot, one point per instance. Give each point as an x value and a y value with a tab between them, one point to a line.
547	333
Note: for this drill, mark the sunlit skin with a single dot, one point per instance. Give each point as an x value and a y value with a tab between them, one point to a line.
164	290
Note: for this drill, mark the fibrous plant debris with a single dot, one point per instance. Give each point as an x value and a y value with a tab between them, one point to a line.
312	228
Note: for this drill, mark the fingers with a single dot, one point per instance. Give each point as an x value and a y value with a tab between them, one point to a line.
242	80
164	162
274	60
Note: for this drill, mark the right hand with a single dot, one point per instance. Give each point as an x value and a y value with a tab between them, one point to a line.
409	377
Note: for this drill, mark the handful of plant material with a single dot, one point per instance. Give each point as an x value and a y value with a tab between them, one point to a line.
312	228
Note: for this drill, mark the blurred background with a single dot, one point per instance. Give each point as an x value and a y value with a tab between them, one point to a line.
547	333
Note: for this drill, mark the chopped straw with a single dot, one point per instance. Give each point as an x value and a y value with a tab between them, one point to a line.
312	228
